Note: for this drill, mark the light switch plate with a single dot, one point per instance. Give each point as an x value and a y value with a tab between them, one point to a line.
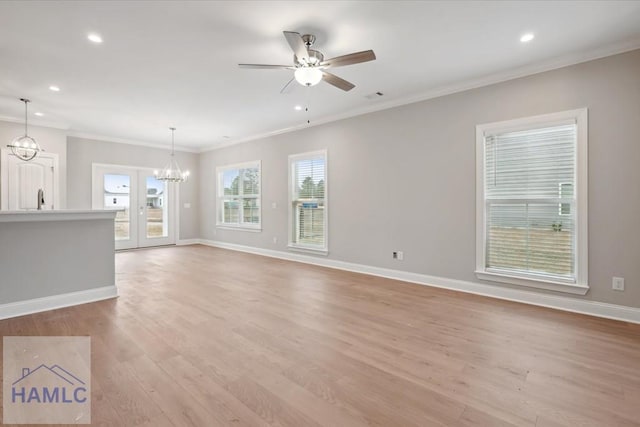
617	284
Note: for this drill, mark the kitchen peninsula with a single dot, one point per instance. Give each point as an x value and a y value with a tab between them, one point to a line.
55	258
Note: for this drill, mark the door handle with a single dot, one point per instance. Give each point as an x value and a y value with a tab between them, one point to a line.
40	199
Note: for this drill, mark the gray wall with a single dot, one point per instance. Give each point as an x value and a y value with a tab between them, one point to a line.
82	153
70	256
51	140
420	159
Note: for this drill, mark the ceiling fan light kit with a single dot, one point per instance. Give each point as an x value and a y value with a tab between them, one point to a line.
308	76
309	65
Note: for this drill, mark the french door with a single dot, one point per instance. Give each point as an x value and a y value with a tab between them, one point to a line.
145	205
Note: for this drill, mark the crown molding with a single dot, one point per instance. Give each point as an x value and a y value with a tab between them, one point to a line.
98	137
35	122
491	79
103	138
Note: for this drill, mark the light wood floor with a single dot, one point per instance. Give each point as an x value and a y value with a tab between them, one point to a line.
203	336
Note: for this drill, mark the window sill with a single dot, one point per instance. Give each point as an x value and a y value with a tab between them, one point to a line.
550	285
308	250
239	228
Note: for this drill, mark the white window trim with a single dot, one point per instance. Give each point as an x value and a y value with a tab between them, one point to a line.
298	246
580	286
257	228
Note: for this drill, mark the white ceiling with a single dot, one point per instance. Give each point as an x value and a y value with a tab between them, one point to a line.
175	63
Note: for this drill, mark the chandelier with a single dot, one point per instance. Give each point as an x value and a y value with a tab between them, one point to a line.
172	171
24	147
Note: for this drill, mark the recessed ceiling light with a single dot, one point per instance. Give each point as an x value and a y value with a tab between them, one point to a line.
527	37
297	108
39	114
95	38
54	88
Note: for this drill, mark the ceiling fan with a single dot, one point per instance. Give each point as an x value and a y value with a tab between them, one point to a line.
309	64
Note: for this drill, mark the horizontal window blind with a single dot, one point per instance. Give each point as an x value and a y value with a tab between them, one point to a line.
308	200
530	201
239	195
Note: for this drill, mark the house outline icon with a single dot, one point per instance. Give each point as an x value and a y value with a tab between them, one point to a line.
56	370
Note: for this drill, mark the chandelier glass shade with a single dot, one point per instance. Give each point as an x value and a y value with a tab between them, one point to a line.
172	172
308	76
25	147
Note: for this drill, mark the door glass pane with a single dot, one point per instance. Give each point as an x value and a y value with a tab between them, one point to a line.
116	196
157	224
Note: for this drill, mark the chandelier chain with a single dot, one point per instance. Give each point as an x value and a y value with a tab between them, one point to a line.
172	141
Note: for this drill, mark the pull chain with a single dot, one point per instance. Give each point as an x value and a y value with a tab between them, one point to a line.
306	107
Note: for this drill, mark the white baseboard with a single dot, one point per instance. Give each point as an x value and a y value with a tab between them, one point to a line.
36	305
185	242
558	302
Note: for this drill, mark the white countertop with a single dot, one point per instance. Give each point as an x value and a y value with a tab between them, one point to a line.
56	215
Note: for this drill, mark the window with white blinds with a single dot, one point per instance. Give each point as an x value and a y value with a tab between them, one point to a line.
530	215
238	194
308	208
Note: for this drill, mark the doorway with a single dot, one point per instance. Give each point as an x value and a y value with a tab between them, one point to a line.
145	205
22	181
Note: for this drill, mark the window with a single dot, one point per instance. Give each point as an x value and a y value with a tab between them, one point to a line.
308	201
532	202
565	191
239	196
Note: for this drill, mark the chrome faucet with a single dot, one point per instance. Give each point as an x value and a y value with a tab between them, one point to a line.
40	199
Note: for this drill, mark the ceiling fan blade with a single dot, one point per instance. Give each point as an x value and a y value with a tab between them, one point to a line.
336	81
288	87
266	66
352	58
297	45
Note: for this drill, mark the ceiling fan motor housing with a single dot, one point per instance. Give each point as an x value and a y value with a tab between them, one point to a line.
309	40
315	58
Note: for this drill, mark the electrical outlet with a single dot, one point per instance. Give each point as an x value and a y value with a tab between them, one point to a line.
187	205
274	205
399	255
275	240
617	284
